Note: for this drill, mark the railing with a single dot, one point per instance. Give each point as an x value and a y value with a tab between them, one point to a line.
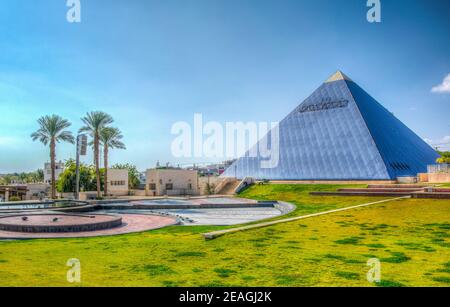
244	184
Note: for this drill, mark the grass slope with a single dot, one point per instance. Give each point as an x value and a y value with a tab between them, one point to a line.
307	204
410	237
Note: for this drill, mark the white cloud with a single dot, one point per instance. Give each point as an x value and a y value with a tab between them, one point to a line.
444	87
442	143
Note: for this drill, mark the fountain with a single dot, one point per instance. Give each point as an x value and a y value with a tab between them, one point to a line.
58	222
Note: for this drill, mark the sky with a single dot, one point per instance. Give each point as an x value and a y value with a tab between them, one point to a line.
152	63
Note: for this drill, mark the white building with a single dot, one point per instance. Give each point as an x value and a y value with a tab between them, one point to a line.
161	182
117	182
59	169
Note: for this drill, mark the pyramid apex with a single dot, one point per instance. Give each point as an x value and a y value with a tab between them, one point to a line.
339	75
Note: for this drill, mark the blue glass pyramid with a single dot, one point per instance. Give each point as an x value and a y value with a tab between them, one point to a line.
340	133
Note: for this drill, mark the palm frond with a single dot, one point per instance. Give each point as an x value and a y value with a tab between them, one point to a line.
117	144
111	137
66	136
51	127
95	121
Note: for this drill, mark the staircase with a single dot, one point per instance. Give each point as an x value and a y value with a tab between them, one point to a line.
228	188
231	186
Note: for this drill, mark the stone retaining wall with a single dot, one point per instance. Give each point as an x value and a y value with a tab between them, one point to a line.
381	194
434	195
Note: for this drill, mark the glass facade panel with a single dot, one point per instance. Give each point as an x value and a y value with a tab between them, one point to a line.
340	133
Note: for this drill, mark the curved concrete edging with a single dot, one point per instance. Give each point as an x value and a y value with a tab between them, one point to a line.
216	234
77	223
283	207
128	227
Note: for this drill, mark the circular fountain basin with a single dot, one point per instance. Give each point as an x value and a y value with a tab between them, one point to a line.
21	206
58	223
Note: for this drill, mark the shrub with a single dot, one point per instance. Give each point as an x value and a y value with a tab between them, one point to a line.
445	280
397	257
224	273
389	284
347	275
190	254
210	189
351	240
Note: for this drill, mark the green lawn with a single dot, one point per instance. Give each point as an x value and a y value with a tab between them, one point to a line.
298	194
410	237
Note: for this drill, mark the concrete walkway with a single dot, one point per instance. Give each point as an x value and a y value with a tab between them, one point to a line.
216	234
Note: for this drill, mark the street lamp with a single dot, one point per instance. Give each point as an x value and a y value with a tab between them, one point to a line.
81	151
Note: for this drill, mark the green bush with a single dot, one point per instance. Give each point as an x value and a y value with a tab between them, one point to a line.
210	189
15	198
445	157
88	181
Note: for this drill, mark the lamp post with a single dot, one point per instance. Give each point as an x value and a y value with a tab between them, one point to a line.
81	151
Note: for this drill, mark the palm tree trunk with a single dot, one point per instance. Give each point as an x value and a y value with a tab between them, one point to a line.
97	167
105	160
53	167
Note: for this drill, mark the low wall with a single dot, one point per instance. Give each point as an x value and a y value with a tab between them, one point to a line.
118	192
333	182
87	195
93	194
439	177
396	186
368	194
203	181
138	193
137	205
434	195
382	190
77	223
407	180
67	195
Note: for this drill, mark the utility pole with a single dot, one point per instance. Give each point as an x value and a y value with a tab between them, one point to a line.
81	151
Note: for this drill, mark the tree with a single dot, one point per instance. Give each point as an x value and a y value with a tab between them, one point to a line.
133	174
445	157
51	131
40	175
94	122
23	177
32	177
66	182
7	179
109	138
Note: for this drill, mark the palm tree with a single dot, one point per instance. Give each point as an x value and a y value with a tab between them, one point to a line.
94	122
51	131
110	138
